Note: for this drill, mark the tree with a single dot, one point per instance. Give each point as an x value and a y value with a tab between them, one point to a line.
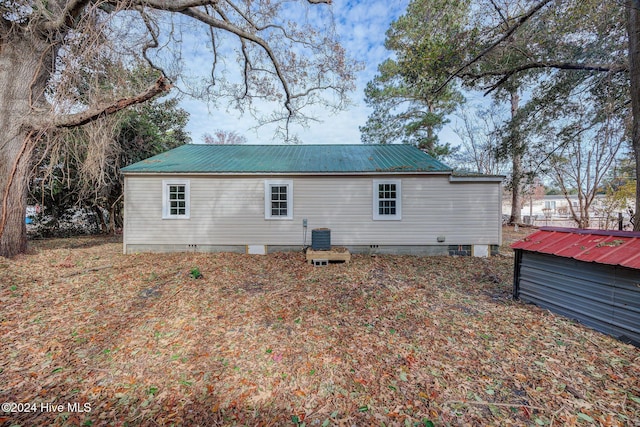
581	164
546	46
142	131
514	147
617	204
622	173
406	106
633	31
619	190
594	44
480	141
416	92
79	168
50	49
224	137
534	190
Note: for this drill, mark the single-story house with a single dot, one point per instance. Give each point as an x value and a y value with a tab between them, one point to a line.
265	198
592	276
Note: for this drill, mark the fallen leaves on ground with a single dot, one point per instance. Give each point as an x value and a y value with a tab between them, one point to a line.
272	340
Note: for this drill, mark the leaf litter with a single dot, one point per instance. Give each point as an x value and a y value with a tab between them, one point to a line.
272	340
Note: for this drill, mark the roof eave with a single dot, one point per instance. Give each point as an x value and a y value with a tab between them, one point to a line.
260	173
483	178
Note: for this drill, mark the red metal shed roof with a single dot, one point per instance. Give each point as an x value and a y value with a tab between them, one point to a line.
599	246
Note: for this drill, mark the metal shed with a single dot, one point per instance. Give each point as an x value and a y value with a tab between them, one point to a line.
592	276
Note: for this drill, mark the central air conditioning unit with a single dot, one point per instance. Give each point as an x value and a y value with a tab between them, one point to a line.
321	239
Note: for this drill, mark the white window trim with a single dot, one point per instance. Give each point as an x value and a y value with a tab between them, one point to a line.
375	188
165	198
267	198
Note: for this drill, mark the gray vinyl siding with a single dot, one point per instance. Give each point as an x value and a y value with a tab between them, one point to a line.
604	297
230	211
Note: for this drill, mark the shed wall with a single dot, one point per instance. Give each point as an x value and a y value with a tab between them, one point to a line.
230	211
604	297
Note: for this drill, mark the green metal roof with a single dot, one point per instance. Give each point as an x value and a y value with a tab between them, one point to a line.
302	159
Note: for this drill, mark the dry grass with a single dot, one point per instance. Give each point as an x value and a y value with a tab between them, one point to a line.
271	340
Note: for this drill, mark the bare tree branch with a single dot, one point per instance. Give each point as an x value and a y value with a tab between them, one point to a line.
71	120
68	14
173	5
245	54
245	35
153	44
181	5
499	11
262	27
519	22
506	74
214	49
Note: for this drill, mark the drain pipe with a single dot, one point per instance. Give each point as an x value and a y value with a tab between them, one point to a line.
304	235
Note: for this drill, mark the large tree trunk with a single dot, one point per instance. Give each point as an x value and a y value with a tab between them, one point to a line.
516	168
14	165
22	82
14	169
26	64
633	29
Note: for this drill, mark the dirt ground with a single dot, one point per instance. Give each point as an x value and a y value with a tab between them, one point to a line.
90	336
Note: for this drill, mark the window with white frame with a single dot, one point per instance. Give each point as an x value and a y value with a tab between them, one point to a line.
278	199
175	199
387	199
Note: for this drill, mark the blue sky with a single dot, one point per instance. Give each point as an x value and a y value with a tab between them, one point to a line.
361	25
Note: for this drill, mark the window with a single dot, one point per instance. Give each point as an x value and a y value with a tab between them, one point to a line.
278	199
550	205
387	200
175	199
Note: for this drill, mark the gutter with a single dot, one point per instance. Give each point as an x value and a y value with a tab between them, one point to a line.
480	178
